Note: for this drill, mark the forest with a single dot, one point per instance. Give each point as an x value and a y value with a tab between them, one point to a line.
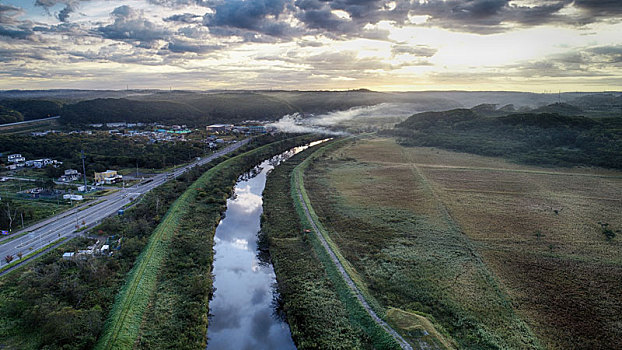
532	138
102	151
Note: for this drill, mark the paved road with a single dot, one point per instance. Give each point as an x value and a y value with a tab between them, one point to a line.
29	121
67	223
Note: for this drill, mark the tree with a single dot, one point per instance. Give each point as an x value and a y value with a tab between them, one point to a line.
10	216
8	258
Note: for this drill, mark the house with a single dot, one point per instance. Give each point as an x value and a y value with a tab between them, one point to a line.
42	163
241	129
73	197
15	158
257	129
113	179
105	249
99	177
116	125
70	175
108	177
219	128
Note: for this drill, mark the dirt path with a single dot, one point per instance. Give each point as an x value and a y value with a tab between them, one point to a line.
398	338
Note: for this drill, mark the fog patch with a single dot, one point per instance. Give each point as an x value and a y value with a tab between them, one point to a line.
326	123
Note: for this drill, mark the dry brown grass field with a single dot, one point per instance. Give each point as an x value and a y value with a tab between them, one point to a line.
460	236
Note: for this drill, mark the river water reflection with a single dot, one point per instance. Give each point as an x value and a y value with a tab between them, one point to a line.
242	309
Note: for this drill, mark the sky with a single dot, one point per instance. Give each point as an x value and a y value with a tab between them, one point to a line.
384	45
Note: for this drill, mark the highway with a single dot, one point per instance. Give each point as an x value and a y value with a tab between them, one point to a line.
29	121
69	222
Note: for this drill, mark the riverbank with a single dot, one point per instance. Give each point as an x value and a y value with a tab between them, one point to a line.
166	301
317	317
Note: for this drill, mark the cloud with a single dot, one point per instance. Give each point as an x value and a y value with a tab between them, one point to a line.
608	54
179	3
130	25
11	27
486	16
418	50
248	18
8	13
181	46
184	18
63	15
599	8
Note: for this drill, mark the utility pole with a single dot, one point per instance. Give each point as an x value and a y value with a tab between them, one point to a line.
83	170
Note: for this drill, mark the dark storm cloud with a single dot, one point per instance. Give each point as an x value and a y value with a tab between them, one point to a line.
319	16
130	25
487	16
238	17
265	17
600	8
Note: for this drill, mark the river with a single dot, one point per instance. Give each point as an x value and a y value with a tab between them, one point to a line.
243	309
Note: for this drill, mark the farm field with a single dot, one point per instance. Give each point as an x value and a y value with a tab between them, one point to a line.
494	253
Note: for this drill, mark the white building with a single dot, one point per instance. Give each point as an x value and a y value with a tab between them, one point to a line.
73	197
15	158
70	175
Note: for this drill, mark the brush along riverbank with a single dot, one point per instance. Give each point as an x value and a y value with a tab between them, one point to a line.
171	275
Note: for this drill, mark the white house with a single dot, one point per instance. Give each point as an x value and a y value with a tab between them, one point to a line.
70	175
15	158
73	197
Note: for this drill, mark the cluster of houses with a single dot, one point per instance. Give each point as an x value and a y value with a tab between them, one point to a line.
18	161
118	125
100	248
46	132
239	129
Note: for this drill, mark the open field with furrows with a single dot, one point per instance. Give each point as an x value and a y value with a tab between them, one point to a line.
496	254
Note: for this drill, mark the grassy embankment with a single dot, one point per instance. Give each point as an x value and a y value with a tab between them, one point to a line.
358	315
407	249
316	314
170	308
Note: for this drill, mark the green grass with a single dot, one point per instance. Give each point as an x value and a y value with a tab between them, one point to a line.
316	315
122	328
379	337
